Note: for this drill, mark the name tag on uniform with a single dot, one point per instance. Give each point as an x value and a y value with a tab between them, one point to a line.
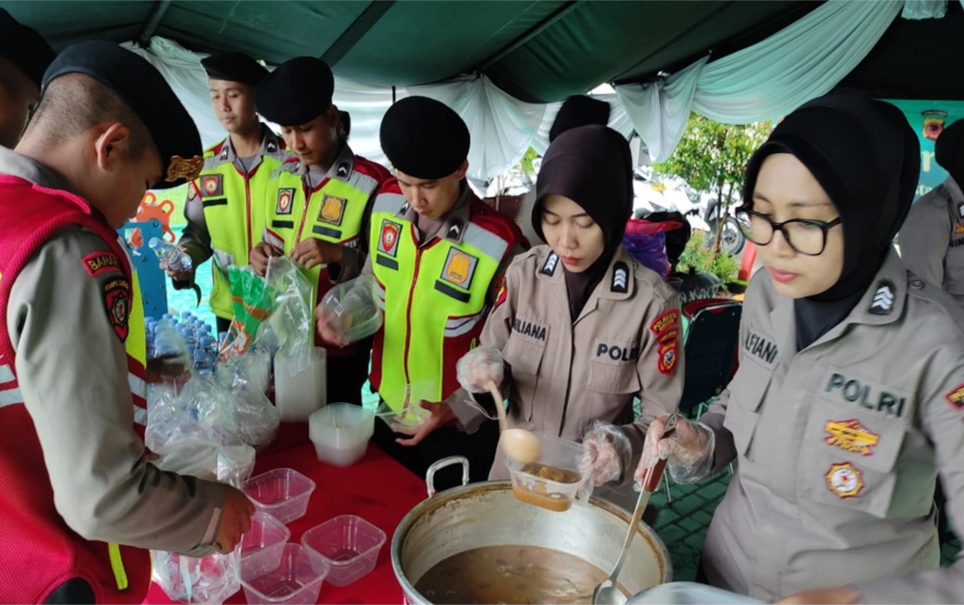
853	390
760	347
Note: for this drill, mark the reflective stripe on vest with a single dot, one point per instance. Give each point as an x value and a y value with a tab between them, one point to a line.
235	214
435	300
9	391
334	212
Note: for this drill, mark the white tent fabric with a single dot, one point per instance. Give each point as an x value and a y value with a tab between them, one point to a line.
768	79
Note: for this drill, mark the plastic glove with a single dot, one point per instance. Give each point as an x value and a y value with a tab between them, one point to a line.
688	452
608	453
478	367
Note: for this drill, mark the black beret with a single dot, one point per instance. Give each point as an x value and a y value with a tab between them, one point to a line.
24	47
579	110
235	67
947	148
424	138
144	90
297	92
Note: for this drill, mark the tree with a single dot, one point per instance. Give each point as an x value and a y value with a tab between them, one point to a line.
712	157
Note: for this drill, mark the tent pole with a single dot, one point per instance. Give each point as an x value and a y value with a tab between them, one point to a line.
160	7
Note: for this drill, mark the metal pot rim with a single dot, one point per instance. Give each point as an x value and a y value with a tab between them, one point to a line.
439	499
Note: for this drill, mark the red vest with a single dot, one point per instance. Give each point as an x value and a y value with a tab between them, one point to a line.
38	551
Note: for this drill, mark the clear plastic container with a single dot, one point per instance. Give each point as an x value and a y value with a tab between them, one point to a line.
402	408
684	593
349	544
282	493
353	309
300	385
262	545
297	578
553	481
340	432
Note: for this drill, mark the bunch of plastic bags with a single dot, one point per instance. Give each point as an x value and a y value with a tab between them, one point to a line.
646	242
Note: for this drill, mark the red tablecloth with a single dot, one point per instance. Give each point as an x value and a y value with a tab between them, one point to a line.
377	489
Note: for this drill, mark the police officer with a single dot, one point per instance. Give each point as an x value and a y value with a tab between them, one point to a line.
81	502
576	368
24	55
849	399
577	110
227	205
932	238
438	254
319	202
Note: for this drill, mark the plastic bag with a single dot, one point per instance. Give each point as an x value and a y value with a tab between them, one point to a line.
646	242
353	309
291	322
253	303
214	578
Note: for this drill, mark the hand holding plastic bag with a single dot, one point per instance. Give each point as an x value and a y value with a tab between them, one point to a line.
688	451
608	453
350	311
478	367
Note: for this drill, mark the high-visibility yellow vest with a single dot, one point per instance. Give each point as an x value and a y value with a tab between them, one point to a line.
235	210
435	296
333	211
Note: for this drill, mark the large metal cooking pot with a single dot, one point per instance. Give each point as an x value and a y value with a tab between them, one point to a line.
488	514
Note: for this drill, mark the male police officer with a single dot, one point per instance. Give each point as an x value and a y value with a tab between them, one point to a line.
932	238
75	479
320	201
24	55
226	206
438	253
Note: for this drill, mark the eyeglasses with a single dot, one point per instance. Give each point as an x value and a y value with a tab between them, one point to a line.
808	237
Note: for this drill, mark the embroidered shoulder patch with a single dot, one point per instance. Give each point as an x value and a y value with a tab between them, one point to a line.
956	397
285	196
501	292
664	322
549	267
620	278
117	301
100	262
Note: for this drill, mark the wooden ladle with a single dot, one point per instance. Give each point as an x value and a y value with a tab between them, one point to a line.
520	444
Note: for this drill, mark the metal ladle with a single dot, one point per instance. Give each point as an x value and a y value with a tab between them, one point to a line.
607	592
519	444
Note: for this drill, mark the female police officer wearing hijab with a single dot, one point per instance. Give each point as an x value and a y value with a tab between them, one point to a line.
581	326
849	398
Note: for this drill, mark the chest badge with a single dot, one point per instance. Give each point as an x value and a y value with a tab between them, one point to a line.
845	480
332	210
459	268
388	241
285	197
883	302
851	436
211	185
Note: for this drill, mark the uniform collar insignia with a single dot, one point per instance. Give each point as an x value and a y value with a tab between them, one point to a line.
272	147
549	267
343	169
620	282
455	230
884	296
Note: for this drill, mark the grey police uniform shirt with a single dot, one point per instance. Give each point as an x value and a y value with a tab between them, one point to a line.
839	447
932	238
563	375
72	372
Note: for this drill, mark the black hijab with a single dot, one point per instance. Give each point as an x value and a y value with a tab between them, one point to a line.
866	157
592	166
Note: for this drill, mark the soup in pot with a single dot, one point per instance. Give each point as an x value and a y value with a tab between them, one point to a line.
511	574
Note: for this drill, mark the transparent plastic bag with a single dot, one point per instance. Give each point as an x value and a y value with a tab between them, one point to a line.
214	578
353	309
291	322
